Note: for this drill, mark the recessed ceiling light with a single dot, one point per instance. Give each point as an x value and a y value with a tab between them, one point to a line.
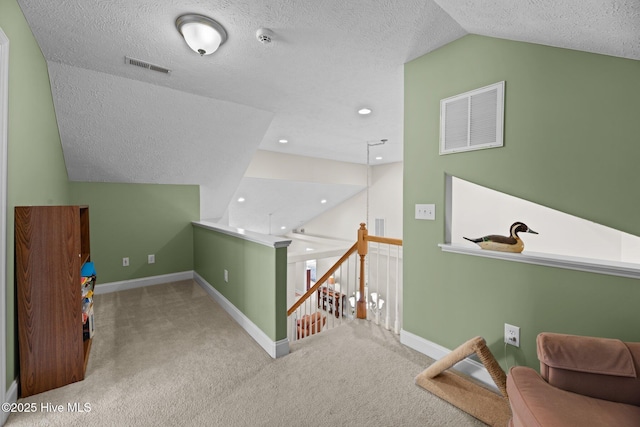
364	111
309	249
379	158
283	141
241	199
283	228
323	201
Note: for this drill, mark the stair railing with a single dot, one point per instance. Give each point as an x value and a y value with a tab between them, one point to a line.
385	281
329	303
324	305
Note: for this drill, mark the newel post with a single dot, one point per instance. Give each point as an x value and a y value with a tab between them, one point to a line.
363	248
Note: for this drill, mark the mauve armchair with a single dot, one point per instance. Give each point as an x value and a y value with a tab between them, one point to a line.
583	382
310	324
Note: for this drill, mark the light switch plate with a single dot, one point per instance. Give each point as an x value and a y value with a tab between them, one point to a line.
426	211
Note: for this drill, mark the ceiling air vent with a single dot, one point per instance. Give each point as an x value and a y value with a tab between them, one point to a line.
472	120
147	65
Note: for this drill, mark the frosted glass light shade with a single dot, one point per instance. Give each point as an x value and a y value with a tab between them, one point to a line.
202	34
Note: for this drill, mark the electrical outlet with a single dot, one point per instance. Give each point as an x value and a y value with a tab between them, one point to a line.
512	335
125	262
151	259
226	276
427	211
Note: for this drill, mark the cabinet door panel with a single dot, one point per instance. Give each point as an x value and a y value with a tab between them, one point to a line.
47	253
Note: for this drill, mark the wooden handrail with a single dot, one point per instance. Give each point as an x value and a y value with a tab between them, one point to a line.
362	247
387	240
323	279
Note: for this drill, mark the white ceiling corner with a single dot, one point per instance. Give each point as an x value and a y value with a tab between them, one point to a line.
608	27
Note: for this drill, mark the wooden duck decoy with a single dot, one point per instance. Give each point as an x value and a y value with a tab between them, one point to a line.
495	242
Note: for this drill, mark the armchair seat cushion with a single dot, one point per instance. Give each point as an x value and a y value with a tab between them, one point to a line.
535	402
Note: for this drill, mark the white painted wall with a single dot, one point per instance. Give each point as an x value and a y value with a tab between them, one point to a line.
385	198
385	201
272	165
478	211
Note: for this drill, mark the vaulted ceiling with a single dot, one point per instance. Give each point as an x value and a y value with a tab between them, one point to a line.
203	122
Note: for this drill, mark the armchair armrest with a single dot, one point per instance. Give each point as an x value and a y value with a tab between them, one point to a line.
597	367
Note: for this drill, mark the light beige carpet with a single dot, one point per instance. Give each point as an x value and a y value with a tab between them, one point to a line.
168	355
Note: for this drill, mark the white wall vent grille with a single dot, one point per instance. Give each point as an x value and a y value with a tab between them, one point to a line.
147	65
472	120
379	227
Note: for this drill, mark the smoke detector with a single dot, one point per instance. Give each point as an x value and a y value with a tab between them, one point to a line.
264	35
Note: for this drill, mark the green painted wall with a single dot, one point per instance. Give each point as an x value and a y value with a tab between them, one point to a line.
36	173
135	220
571	132
126	219
257	277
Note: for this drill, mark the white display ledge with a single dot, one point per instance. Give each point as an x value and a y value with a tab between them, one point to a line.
613	268
263	239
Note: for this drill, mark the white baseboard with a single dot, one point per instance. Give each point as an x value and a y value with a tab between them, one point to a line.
435	351
275	349
124	285
10	397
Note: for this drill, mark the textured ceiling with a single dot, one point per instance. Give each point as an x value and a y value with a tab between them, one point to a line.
202	123
609	27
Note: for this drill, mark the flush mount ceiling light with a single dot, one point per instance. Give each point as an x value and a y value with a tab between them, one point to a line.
202	34
364	111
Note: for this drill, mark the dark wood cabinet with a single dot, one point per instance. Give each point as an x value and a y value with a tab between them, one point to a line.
51	246
331	301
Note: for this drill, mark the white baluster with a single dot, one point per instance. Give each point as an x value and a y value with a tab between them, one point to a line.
396	327
387	293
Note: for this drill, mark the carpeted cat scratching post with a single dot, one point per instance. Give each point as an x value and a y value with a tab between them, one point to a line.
463	392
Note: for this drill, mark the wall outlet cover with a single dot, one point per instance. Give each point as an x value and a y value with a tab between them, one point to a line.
512	335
